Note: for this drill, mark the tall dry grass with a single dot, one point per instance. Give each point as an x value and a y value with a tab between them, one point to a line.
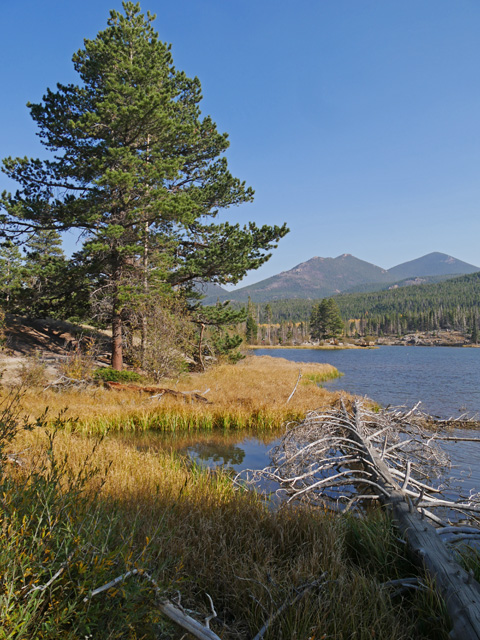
251	394
198	534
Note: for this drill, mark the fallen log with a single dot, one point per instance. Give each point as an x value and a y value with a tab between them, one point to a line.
458	588
183	395
460	592
342	457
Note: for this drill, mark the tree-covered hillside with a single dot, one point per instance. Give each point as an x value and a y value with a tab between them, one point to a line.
446	305
451	304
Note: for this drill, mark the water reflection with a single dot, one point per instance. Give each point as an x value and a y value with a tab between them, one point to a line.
236	451
233	451
217	454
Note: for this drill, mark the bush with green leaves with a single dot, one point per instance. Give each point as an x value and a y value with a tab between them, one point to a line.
107	374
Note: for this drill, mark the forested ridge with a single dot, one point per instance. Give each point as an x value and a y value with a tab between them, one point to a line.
451	304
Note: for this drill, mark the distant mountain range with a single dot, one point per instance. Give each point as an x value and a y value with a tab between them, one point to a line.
323	277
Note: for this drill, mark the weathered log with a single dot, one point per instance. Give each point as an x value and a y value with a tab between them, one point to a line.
184	395
340	457
460	592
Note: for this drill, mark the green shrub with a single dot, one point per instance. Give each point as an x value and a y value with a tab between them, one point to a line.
107	374
58	542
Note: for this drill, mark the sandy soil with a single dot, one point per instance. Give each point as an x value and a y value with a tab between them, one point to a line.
45	344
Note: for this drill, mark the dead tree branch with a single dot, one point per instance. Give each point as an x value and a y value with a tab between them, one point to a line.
340	457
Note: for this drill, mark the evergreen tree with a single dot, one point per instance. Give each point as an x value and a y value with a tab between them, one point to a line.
474	336
10	275
134	159
251	326
43	275
268	320
325	320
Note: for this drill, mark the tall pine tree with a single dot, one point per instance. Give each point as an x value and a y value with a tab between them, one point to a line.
44	269
325	320
11	267
134	159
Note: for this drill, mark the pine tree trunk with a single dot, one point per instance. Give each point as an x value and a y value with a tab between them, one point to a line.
143	347
200	347
117	329
117	347
145	294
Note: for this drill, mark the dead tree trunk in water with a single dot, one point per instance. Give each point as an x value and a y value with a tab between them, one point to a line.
342	458
460	592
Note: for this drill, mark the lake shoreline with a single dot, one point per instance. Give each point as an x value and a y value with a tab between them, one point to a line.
309	347
442	379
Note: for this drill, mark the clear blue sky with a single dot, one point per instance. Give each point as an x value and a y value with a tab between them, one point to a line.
356	121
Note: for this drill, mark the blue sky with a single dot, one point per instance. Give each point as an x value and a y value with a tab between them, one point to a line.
356	121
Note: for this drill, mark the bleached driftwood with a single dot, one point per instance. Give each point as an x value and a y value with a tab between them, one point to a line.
185	621
343	457
295	387
171	610
65	382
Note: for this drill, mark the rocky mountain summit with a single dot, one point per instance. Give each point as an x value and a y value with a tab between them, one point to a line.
321	277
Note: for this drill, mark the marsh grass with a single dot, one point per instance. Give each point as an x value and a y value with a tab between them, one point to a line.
251	394
58	541
197	533
192	529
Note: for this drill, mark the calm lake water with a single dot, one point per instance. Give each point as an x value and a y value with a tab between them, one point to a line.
445	379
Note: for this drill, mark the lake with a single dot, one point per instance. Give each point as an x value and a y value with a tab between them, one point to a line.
445	379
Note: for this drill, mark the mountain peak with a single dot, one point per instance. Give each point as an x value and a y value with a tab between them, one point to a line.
314	278
323	277
432	264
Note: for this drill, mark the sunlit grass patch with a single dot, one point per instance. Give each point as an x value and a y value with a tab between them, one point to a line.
252	394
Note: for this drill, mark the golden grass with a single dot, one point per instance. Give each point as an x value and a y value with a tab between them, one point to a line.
206	536
251	394
195	532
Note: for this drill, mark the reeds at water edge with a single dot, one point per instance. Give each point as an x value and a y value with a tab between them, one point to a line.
251	394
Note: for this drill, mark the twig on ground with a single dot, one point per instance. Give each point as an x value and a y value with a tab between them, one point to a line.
295	388
174	612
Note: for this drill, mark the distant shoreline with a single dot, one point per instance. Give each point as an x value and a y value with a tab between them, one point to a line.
333	347
325	347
